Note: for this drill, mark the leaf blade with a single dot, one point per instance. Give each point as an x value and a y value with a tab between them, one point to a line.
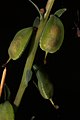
60	12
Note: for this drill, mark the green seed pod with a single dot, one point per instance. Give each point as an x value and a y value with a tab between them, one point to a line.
52	36
6	111
19	43
44	84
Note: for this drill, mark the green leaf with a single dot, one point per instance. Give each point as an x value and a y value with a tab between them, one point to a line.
60	12
6	111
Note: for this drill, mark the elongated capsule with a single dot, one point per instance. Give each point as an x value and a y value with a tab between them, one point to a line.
45	86
19	43
52	36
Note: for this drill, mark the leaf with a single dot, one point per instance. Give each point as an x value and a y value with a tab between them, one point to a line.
59	12
6	111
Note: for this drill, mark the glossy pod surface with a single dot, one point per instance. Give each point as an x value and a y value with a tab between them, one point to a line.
52	36
19	43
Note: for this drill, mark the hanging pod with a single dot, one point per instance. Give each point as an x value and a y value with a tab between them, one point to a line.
19	43
44	85
52	36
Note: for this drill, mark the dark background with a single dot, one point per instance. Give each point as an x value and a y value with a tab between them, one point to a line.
63	66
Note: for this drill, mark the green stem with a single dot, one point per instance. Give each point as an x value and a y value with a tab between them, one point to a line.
49	6
55	106
30	59
37	9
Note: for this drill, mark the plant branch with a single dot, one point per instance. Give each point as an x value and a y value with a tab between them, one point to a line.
31	56
49	6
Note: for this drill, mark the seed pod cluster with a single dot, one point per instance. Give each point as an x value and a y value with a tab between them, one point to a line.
52	36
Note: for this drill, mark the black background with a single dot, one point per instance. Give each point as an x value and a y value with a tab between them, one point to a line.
63	66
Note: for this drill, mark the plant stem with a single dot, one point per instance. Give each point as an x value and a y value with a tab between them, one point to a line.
55	106
31	57
49	6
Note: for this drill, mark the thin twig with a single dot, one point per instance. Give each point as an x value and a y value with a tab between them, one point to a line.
2	80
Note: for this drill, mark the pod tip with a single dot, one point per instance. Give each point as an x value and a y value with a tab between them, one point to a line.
6	62
55	106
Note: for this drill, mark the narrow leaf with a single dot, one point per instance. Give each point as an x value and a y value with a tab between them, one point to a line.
60	12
